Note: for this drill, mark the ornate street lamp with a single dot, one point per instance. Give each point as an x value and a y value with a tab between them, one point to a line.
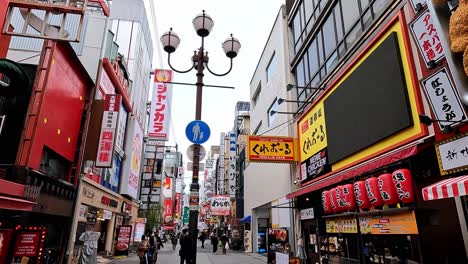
203	24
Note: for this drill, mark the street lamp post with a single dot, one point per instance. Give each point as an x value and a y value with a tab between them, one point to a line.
203	25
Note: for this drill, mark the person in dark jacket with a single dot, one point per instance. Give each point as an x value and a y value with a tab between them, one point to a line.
214	242
224	242
202	239
185	251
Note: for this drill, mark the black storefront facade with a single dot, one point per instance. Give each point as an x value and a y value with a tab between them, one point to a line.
364	125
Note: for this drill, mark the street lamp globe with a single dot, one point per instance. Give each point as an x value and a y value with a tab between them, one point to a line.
203	24
170	41
231	47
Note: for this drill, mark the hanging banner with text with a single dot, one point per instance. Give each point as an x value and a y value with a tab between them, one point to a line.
232	164
271	149
108	131
220	205
160	114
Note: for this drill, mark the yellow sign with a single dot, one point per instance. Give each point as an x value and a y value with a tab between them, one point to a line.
156	184
311	126
403	223
312	132
271	149
341	225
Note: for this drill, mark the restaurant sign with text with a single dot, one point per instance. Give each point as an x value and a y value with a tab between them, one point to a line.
107	136
452	154
271	149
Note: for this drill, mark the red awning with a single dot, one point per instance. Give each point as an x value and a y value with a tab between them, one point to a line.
10	203
448	188
376	163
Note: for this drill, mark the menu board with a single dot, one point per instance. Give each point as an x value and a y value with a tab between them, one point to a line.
403	223
27	244
123	239
341	225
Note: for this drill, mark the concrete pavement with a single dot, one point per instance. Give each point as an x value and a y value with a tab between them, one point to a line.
204	256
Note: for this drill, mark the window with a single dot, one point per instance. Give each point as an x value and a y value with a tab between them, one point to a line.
257	128
272	112
256	94
271	67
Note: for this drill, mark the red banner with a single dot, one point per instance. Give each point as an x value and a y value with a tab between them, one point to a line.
168	205
27	244
178	197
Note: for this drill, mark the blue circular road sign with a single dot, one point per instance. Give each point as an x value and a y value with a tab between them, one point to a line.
197	132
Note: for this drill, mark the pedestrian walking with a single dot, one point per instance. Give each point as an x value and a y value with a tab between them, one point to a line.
185	251
153	243
159	241
143	250
174	241
214	242
202	239
224	242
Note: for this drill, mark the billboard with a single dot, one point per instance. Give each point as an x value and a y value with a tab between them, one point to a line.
220	205
108	131
343	127
232	164
271	149
131	167
160	114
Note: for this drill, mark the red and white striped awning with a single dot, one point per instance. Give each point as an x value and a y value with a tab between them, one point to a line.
448	188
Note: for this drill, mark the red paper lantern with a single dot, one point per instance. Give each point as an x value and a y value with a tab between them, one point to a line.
387	189
333	201
340	199
373	194
361	195
326	202
348	197
403	182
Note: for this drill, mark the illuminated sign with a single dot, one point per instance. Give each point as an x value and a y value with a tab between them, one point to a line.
271	149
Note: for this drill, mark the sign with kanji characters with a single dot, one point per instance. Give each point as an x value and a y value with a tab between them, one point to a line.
427	38
160	114
27	244
123	238
444	100
140	224
107	136
220	205
232	164
312	132
452	154
271	149
315	166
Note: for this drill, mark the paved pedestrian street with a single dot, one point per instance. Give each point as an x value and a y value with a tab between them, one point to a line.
204	256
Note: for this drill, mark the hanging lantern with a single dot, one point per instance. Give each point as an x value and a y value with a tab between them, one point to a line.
361	195
373	194
403	182
327	208
333	201
387	189
348	197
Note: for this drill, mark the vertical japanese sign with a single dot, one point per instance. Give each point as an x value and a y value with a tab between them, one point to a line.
140	224
160	105
131	168
313	143
220	205
121	128
178	199
444	101
232	164
427	38
221	163
185	219
108	129
168	205
123	238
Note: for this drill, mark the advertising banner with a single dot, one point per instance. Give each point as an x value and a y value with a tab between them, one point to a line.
221	164
403	223
232	164
131	167
123	239
342	225
160	114
167	188
140	224
27	244
315	166
168	205
178	196
271	149
108	131
220	205
185	219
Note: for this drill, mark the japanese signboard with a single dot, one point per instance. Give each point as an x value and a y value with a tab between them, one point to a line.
160	105
315	165
140	224
168	206
220	205
27	244
105	84
178	197
167	188
121	128
341	225
307	213
221	164
453	154
209	164
5	238
107	136
271	149
427	38
395	224
123	238
185	219
131	167
232	164
444	101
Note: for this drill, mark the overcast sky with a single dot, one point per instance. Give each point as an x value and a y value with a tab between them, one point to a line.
248	20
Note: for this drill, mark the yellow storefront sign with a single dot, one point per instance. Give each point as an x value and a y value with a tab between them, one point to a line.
271	149
312	132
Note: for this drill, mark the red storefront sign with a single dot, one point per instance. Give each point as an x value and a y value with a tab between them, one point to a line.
109	202
387	189
108	128
123	238
403	182
178	197
168	205
27	244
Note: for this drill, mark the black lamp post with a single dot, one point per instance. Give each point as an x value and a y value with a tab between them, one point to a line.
170	41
